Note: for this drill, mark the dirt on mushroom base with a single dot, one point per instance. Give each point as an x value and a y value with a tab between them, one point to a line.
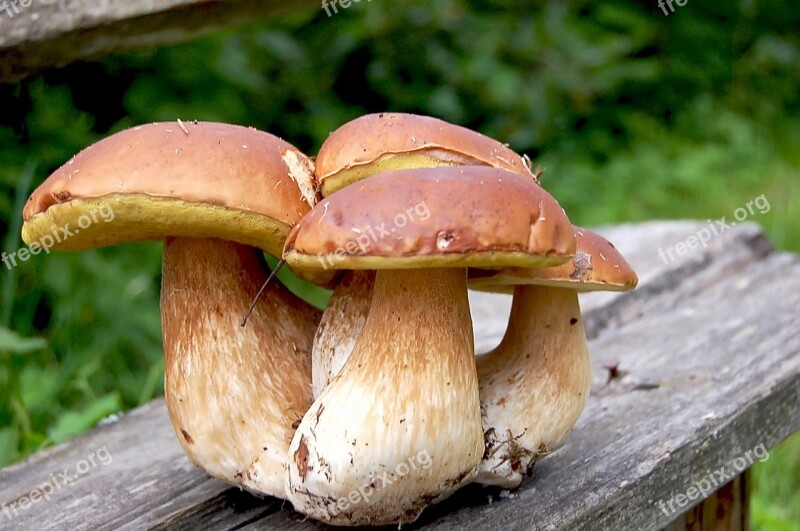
515	457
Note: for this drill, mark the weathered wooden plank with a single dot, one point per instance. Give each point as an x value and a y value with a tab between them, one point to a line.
48	33
715	332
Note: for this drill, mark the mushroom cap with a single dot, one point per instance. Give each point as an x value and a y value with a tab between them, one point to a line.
197	179
596	266
434	217
394	141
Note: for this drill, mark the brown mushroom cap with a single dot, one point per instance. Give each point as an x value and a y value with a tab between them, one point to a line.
394	141
434	217
596	266
173	179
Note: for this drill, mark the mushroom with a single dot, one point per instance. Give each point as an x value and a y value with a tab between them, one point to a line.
217	195
388	141
535	384
366	146
409	388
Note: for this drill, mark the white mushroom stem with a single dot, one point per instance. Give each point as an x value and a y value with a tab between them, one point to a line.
341	324
399	428
234	394
534	385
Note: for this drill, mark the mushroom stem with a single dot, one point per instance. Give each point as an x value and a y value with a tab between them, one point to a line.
233	393
399	428
341	324
534	385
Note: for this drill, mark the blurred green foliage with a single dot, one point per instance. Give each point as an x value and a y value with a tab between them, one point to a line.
634	116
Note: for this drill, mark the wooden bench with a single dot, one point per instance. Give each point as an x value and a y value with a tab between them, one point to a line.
48	33
696	376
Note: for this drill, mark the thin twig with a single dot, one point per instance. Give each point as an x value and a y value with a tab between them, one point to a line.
258	295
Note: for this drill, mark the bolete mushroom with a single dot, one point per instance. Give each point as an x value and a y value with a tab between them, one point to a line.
217	194
409	387
372	144
535	384
388	141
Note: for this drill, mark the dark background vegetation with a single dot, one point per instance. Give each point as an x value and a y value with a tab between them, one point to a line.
634	116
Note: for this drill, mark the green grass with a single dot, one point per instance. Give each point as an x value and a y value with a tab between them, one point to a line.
667	175
776	488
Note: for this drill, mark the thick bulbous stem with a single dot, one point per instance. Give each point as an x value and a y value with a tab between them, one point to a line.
399	428
234	394
341	324
534	385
